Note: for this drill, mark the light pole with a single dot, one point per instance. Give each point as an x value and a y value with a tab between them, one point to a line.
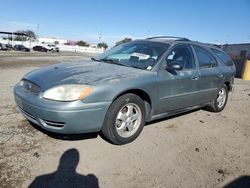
100	37
37	30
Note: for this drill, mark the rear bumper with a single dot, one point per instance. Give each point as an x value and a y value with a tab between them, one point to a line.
61	117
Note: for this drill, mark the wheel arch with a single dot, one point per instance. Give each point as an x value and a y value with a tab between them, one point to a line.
144	96
229	86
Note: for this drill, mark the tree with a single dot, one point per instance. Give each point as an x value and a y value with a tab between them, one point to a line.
82	43
31	35
102	45
125	40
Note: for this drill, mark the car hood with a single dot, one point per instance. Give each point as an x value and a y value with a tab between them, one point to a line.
82	72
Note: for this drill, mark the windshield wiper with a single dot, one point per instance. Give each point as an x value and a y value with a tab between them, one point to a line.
107	60
94	59
134	66
112	62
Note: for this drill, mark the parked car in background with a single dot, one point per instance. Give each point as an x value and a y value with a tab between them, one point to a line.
9	46
20	47
52	47
40	49
3	47
126	86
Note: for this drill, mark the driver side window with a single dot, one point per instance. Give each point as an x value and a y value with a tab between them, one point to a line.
181	55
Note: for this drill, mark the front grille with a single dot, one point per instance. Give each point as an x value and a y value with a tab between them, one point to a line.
52	123
30	86
45	123
27	114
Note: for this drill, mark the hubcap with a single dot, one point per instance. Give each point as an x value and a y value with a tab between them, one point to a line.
221	98
128	120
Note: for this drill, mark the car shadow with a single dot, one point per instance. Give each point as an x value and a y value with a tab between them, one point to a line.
70	137
85	136
66	175
241	182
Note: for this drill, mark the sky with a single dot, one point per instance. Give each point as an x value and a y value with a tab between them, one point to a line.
212	21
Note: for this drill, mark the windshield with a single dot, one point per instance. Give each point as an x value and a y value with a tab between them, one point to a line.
137	54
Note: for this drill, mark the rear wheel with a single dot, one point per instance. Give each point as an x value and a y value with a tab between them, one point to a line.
220	102
124	120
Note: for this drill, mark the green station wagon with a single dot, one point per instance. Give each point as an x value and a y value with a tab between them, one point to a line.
127	86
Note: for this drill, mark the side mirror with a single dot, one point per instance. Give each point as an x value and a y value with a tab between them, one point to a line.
174	66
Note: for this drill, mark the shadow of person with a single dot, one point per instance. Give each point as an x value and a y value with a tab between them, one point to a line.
241	182
66	175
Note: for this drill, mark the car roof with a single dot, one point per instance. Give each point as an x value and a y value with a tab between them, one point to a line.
167	39
171	40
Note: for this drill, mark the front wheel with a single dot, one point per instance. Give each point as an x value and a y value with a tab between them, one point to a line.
124	120
220	102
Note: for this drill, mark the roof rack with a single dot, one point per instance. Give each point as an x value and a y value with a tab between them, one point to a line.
170	38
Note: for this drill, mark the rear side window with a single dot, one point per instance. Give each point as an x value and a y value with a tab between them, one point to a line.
223	57
206	60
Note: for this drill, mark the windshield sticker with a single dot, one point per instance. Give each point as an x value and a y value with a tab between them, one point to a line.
140	55
149	68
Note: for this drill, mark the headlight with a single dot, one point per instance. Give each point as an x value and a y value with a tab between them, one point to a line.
69	92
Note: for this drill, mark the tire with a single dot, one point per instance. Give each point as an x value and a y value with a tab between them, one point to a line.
124	119
220	102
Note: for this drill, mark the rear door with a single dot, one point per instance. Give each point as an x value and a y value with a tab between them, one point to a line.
210	75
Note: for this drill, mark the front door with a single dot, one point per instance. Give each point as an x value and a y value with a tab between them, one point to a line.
178	88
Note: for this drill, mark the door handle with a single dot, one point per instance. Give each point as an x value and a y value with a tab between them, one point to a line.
221	75
195	78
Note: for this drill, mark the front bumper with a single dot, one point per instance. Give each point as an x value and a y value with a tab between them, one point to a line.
61	117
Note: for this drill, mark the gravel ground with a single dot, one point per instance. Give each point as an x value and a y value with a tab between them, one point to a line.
196	149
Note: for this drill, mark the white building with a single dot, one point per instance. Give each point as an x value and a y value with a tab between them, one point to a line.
51	40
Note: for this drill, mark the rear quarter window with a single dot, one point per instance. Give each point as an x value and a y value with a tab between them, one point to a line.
223	57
